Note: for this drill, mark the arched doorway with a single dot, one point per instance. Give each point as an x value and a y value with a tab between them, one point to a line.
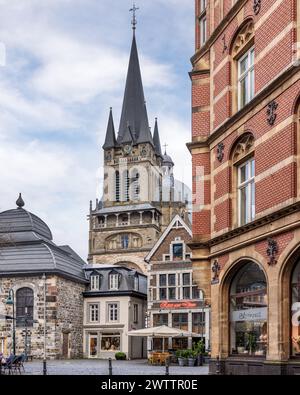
248	307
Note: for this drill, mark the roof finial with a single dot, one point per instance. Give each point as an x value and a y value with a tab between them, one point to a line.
134	21
165	146
20	202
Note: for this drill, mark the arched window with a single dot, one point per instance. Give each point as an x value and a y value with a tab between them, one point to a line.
243	58
117	186
243	180
126	185
248	311
295	331
135	185
24	307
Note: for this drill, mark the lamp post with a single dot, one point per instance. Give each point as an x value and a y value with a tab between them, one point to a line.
10	301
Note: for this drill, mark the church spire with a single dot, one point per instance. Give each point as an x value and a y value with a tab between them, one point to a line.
156	139
134	111
110	139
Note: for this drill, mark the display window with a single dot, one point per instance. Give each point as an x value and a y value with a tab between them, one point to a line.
248	312
110	342
295	312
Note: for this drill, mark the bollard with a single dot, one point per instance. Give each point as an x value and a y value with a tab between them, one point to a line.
167	367
109	367
218	370
44	367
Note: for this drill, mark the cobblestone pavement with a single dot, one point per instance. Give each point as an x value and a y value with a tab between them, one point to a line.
100	367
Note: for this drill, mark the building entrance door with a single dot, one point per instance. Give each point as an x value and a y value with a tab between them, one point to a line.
93	346
65	346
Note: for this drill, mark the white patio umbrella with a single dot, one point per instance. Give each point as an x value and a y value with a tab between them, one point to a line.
161	331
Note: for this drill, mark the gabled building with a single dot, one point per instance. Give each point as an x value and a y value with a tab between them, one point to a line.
114	304
174	298
140	195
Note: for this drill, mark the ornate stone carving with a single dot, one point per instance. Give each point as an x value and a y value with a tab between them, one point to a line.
108	156
271	112
220	152
245	35
216	268
272	251
243	148
256	6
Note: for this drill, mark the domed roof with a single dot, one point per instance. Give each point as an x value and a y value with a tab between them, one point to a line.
20	220
167	160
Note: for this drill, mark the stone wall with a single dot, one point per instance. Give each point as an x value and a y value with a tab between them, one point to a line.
64	309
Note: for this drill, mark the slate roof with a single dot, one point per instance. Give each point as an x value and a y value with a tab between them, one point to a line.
110	139
134	112
121	209
156	140
126	278
26	248
20	220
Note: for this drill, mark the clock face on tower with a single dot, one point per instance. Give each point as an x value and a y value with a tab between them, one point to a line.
127	149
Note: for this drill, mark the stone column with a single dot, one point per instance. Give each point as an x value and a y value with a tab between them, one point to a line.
105	221
117	216
190	328
129	218
141	218
153	217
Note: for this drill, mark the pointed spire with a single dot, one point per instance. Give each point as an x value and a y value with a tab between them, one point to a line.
156	139
110	139
20	202
134	111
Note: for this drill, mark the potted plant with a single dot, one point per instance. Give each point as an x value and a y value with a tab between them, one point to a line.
120	356
191	357
199	349
182	357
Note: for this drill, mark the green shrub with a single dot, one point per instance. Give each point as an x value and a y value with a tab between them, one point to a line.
120	356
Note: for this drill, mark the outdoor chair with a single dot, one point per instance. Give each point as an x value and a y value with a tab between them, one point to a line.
17	363
8	367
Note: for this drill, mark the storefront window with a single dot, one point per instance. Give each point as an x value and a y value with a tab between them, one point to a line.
160	319
158	344
296	312
198	323
110	342
248	312
180	321
179	343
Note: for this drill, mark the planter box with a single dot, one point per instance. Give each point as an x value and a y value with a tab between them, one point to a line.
191	362
182	361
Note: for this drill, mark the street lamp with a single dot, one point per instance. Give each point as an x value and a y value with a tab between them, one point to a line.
10	301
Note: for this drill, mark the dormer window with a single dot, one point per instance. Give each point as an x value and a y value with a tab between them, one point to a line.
95	282
114	281
136	282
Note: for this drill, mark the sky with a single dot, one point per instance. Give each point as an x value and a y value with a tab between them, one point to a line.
63	64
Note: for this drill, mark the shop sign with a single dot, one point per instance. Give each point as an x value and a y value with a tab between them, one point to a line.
259	314
181	305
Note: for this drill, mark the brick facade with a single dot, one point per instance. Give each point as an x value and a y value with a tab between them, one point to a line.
273	31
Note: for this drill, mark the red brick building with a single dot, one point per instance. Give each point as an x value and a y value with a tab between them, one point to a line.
246	160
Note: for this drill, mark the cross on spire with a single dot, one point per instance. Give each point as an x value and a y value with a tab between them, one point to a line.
134	21
165	147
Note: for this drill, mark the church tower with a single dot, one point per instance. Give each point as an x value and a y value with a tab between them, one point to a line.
128	220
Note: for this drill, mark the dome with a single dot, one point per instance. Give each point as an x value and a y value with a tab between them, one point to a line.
20	220
167	160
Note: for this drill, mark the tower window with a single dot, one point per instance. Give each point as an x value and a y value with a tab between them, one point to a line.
117	186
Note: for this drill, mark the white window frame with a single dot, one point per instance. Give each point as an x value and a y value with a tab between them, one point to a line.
203	30
113	310
249	75
203	5
95	282
249	184
114	282
94	312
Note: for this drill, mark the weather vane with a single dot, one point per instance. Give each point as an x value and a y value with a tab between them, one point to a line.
134	21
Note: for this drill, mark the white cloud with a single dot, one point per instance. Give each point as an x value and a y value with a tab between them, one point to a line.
66	65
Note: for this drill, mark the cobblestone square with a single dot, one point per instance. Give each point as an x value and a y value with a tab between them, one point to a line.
100	367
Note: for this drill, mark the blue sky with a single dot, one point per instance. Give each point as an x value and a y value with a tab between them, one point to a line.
65	65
